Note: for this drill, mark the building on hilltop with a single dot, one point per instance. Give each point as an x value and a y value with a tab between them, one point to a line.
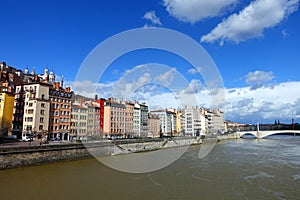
42	107
9	78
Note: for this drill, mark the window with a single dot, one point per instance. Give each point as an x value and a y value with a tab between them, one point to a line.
42	105
41	127
30	104
41	119
43	96
42	112
28	119
30	111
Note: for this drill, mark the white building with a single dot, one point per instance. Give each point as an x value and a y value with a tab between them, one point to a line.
140	120
192	121
168	121
197	121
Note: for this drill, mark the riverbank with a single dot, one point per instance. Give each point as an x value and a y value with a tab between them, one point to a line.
13	157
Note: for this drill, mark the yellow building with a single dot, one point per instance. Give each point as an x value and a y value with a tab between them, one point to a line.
6	112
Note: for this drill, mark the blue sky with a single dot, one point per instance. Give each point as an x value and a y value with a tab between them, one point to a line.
253	43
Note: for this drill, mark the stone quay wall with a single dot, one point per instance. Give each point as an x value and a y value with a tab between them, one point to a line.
231	136
35	155
13	157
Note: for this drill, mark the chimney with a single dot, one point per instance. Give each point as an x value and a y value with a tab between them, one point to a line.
36	79
81	102
56	85
68	89
62	80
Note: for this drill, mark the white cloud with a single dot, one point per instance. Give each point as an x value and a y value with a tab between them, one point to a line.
151	16
251	21
195	10
258	78
285	33
263	104
194	71
167	77
89	89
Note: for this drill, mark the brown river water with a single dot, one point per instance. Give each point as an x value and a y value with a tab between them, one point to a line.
234	169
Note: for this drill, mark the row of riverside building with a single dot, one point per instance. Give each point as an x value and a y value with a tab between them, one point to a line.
37	105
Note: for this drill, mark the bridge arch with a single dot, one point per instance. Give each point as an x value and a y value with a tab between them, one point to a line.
248	133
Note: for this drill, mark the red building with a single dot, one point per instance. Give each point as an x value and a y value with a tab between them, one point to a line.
101	104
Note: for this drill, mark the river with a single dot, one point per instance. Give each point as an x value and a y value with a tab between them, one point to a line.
234	169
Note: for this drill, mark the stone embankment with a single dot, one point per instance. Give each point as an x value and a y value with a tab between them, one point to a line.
12	157
228	136
35	155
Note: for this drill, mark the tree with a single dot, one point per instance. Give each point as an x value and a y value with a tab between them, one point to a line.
5	126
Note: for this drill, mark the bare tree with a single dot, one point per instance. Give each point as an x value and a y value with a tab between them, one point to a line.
5	126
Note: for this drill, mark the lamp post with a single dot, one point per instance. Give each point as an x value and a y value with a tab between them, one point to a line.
293	127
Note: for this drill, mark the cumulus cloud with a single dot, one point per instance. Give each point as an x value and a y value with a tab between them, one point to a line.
167	77
89	89
193	71
244	104
251	21
151	16
264	104
195	10
285	33
258	78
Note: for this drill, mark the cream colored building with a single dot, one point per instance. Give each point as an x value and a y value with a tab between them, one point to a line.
79	127
36	109
129	119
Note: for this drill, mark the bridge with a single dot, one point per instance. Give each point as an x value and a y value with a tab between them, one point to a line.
263	134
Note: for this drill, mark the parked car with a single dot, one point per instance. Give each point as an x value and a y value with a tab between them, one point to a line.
27	137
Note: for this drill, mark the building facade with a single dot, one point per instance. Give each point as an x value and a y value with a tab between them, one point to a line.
79	128
6	112
168	122
60	112
114	118
36	109
153	126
